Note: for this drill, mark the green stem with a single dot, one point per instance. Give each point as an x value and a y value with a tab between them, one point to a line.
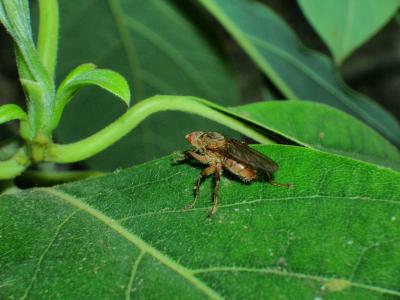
14	166
123	125
47	43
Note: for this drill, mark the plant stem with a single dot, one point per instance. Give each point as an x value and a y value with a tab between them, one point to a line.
47	43
123	125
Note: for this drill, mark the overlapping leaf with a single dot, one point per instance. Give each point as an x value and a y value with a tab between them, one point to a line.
345	24
322	127
296	71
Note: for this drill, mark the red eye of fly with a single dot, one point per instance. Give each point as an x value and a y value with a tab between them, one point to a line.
189	137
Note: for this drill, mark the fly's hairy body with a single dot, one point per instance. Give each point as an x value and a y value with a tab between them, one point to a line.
221	153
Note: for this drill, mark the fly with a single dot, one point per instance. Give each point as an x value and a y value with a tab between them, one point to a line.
221	153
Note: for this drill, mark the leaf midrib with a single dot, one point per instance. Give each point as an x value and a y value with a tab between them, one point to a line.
134	239
349	21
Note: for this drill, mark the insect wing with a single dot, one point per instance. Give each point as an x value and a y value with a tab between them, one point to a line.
240	152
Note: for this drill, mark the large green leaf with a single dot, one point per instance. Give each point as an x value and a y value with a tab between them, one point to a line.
154	46
335	235
296	71
345	25
324	128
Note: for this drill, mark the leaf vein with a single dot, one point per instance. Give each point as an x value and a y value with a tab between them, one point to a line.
133	275
360	198
278	272
43	255
360	259
133	239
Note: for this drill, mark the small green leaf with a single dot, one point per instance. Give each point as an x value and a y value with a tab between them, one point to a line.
335	234
86	75
323	128
10	112
345	25
83	68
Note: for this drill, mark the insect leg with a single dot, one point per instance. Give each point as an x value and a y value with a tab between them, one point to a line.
203	174
214	208
270	181
187	155
180	157
201	158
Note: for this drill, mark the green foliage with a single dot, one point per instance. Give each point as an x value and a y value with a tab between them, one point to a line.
333	235
10	112
160	51
149	50
298	73
325	129
37	83
36	69
345	25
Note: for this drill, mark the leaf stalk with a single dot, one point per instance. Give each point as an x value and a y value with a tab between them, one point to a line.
99	141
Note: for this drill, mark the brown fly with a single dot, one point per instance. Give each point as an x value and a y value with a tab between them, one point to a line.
221	153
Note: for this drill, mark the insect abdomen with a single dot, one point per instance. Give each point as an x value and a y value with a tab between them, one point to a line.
244	172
